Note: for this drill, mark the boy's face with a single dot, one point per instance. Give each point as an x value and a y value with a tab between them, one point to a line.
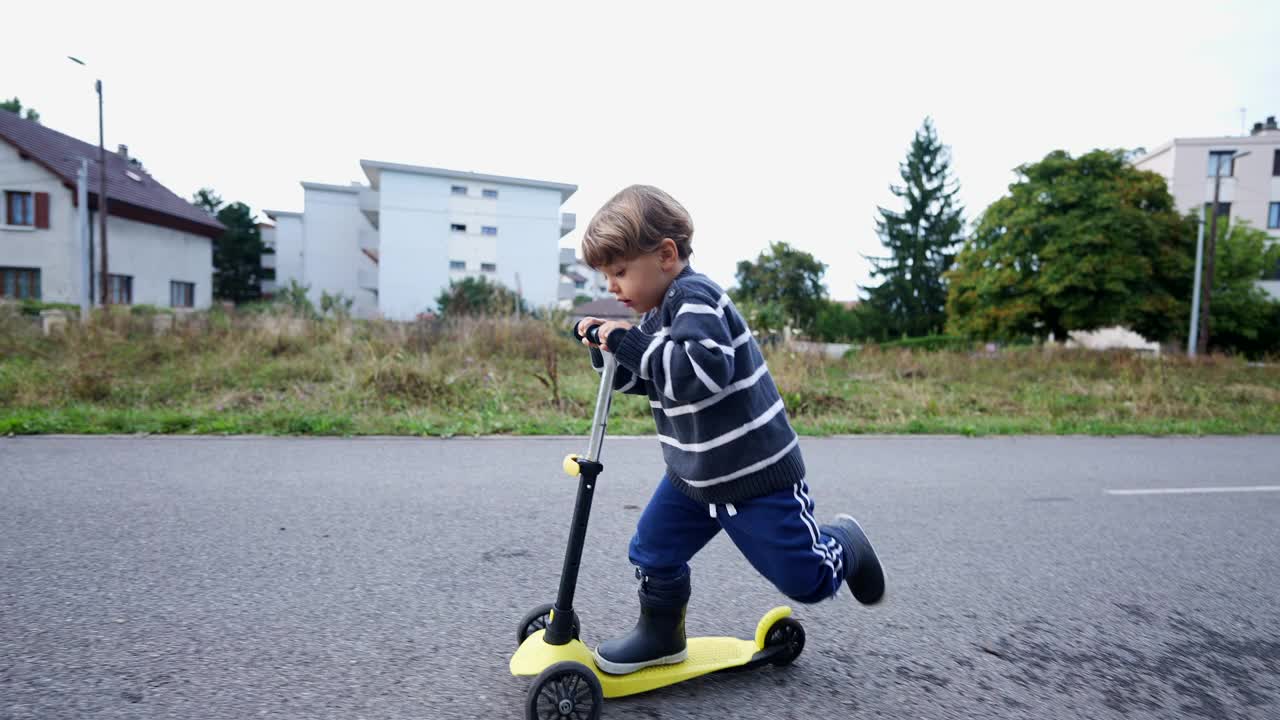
639	282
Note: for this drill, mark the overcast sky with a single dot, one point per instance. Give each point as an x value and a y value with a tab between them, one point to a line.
783	121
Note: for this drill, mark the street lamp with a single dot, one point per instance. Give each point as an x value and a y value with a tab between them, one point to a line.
1198	339
102	191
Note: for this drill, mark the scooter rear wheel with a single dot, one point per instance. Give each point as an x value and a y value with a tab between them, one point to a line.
538	619
565	691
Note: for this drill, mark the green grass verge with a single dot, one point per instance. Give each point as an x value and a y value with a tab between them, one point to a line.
272	375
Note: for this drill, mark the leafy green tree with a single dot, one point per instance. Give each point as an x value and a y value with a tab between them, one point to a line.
782	281
237	253
14	105
921	240
478	296
1243	318
1077	244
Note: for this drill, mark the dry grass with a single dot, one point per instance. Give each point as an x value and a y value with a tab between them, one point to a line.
267	373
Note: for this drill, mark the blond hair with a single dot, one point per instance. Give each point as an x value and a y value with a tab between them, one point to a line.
635	222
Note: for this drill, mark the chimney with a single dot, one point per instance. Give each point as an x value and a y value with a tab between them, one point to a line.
1257	129
123	152
1271	122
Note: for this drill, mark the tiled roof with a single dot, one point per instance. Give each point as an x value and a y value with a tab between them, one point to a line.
605	308
60	154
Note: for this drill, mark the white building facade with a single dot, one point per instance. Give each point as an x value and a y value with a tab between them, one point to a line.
160	247
395	244
1250	186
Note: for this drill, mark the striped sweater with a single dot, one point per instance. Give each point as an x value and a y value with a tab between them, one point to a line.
723	429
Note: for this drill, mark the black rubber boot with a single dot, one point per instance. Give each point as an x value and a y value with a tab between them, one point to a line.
658	637
862	570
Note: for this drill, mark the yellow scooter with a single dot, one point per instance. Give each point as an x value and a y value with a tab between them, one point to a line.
568	685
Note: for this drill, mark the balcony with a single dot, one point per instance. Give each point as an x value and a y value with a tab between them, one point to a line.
369	204
367	279
568	221
369	242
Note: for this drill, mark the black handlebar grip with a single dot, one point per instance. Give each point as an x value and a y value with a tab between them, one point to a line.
614	338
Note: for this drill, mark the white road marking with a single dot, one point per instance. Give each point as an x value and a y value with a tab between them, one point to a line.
1196	490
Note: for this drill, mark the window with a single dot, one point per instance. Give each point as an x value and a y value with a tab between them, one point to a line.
489	267
20	283
1275	164
182	294
580	284
455	227
457	264
456	190
493	194
1221	163
1224	210
121	289
488	230
1273	216
20	208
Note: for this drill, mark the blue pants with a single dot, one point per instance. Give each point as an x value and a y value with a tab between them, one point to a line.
776	533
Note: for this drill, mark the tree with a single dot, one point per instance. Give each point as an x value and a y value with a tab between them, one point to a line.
921	240
237	253
782	281
478	296
1243	318
14	105
1077	244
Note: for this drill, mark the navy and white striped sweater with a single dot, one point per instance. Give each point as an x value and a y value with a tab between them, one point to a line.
724	432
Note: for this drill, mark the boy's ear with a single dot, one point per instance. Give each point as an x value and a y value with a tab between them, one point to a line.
668	253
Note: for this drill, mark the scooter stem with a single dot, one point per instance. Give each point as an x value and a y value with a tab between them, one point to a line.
560	631
604	399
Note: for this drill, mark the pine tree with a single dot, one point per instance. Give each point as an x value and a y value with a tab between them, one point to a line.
921	240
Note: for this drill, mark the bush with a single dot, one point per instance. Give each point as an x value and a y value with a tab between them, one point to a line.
478	296
930	343
835	323
33	307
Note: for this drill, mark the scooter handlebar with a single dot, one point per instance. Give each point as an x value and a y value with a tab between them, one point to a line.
614	338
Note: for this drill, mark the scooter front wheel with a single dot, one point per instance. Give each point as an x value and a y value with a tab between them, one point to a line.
787	635
539	618
565	690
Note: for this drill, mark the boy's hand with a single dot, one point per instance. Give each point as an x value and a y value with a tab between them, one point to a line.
606	327
584	324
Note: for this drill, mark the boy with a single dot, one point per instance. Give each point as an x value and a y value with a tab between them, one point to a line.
733	461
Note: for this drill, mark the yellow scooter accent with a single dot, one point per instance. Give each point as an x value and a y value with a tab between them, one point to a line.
706	655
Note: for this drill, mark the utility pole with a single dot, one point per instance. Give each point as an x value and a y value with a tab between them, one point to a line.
86	241
1193	337
102	200
105	278
1202	342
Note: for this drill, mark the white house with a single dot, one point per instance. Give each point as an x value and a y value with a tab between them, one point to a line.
393	245
577	278
1250	187
159	246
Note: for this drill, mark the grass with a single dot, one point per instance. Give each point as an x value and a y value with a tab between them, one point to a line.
273	374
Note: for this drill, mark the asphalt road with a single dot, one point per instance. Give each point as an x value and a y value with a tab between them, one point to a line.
382	578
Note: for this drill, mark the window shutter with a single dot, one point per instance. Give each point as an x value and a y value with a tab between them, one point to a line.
42	211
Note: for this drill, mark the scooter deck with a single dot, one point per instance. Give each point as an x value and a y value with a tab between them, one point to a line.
706	655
